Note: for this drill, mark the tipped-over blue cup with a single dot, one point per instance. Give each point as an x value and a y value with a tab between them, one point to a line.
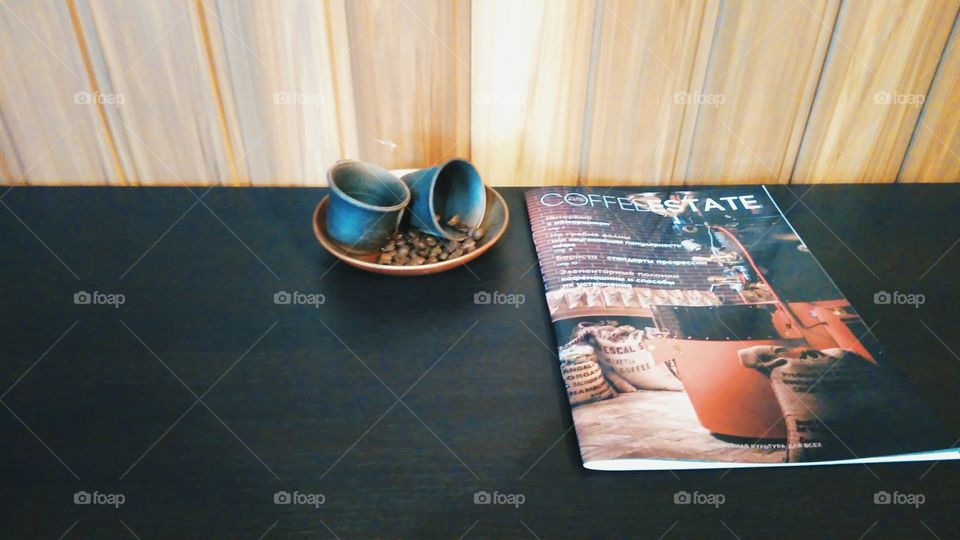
366	205
442	192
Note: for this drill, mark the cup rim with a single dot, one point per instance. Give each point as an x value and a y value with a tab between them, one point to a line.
353	200
433	183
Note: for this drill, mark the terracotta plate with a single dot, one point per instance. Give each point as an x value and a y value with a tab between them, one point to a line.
495	221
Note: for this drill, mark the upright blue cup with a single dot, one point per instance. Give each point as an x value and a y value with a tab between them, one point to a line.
366	204
448	190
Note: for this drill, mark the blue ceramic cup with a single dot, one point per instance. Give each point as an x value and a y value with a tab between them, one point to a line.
442	192
366	204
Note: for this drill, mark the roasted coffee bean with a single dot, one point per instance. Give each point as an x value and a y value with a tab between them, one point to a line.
414	248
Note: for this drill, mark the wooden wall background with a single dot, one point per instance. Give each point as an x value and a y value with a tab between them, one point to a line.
241	92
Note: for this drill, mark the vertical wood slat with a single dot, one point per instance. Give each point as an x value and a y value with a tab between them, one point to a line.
642	116
410	61
880	61
50	126
171	125
764	66
217	91
934	155
288	86
530	64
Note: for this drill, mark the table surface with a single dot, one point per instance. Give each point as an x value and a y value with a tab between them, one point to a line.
397	399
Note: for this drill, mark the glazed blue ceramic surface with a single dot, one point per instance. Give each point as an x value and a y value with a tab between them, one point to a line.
366	204
451	189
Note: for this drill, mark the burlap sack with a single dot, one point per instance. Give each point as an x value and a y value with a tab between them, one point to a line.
661	297
575	298
621	385
612	297
677	297
582	375
644	296
629	298
836	404
621	348
554	300
594	297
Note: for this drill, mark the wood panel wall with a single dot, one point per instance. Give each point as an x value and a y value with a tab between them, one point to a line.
534	92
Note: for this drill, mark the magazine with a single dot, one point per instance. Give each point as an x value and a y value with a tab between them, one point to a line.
696	330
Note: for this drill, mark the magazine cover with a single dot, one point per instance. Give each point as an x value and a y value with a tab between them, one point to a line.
695	329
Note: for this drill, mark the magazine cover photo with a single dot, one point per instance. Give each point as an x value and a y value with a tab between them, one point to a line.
697	325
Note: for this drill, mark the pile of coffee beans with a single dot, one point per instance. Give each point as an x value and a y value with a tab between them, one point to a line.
413	248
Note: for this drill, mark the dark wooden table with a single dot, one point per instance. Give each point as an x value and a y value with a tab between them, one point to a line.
397	399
